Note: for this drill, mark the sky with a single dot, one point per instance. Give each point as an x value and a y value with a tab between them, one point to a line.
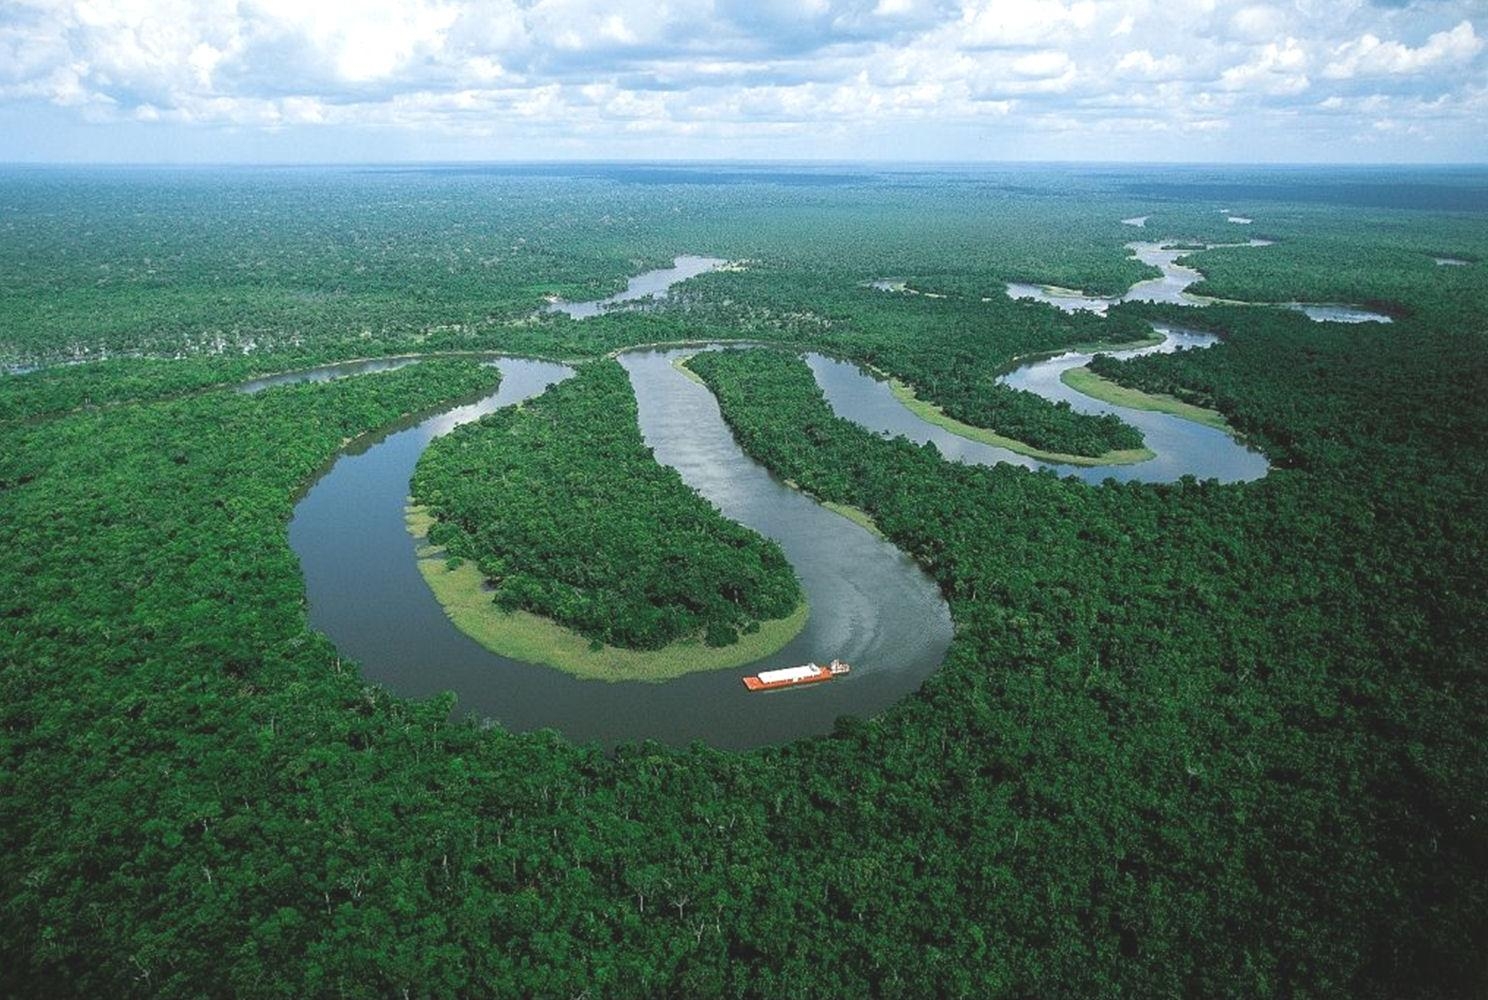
151	81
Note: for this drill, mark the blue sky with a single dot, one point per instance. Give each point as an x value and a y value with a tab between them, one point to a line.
368	80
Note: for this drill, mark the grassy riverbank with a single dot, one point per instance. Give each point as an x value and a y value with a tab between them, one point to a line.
856	515
521	635
1093	385
681	365
931	413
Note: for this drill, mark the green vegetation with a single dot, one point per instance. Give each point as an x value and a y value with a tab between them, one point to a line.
1190	740
1260	659
934	414
565	511
365	263
1084	379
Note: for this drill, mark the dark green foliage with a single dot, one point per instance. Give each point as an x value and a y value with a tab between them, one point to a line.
1278	679
951	349
569	515
1033	420
1190	740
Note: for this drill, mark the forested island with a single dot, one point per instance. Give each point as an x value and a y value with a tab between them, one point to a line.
1189	738
564	511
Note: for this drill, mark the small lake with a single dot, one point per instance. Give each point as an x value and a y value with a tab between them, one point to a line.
1326	313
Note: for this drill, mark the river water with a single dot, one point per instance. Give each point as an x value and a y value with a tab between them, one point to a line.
652	283
1182	447
1172	287
871	604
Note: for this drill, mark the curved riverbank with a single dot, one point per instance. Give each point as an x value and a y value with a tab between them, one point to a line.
1174	285
462	592
1181	447
406	614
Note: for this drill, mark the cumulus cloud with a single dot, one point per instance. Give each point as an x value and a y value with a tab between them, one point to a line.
598	74
1368	56
1140	63
1275	69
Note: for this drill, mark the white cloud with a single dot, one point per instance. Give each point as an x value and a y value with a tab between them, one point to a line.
582	72
1257	23
1042	65
1016	23
1368	56
1141	64
1275	70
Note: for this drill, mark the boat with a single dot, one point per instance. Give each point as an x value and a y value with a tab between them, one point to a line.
809	673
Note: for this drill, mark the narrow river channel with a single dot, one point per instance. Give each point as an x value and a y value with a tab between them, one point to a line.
1182	447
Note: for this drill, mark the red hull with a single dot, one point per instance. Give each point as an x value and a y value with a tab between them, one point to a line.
755	684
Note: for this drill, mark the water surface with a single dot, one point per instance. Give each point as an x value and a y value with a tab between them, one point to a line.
1330	313
1172	287
652	283
1182	447
870	603
326	373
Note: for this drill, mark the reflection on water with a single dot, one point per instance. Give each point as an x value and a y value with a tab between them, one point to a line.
1069	300
326	373
1324	313
652	283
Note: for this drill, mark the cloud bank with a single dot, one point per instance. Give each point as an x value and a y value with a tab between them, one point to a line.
888	79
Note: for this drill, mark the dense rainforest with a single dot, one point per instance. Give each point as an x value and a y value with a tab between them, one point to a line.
1189	739
562	506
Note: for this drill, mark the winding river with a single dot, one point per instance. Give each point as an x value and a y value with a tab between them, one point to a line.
1172	287
870	603
650	284
1182	447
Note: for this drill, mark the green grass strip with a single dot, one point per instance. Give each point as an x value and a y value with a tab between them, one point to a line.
1095	386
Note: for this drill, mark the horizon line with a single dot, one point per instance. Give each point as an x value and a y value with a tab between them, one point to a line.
771	161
